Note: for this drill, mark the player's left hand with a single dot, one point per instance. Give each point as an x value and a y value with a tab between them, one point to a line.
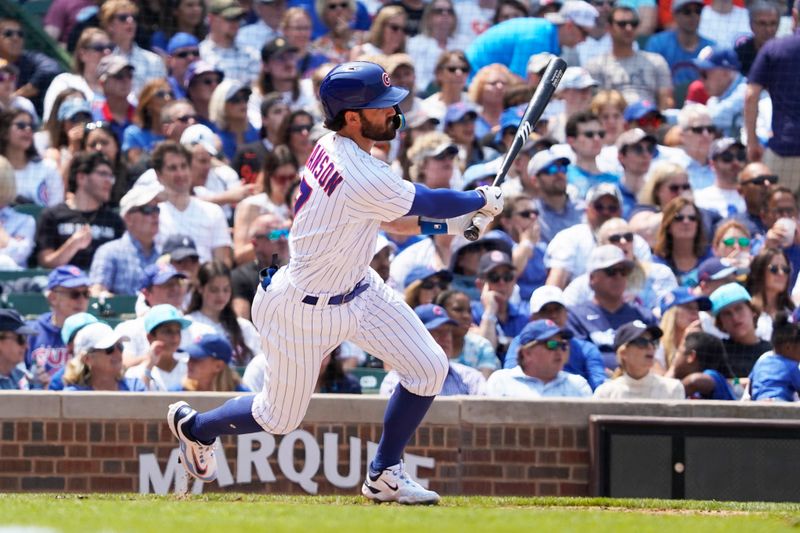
494	199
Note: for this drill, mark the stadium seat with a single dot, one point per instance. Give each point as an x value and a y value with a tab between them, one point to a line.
29	209
370	379
115	306
28	304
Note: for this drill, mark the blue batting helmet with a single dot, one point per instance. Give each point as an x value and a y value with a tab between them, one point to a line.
358	85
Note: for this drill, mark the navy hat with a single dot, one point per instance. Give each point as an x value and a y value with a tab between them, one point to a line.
68	276
197	68
715	269
714	57
491	260
541	330
275	47
179	247
433	316
456	112
211	345
722	145
492	240
633	330
640	109
159	274
424	272
510	117
10	320
681	296
181	40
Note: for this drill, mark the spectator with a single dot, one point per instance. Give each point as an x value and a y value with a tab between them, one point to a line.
97	363
755	181
67	293
680	309
728	156
638	75
575	93
681	242
635	343
228	111
557	211
8	89
219	48
332	377
13	375
209	366
164	369
186	17
423	284
72	231
433	251
535	68
99	137
768	283
66	133
712	274
200	80
35	69
764	18
340	37
635	150
269	237
256	35
61	17
697	132
487	90
176	117
450	73
279	74
461	379
180	210
597	319
460	124
719	70
514	41
249	158
598	41
773	70
469	348
118	266
382	260
92	46
465	258
115	76
781	204
724	22
386	34
118	19
433	155
679	46
776	374
436	41
16	229
585	137
142	137
296	28
644	114
182	50
665	182
694	363
732	241
542	355
295	133
183	256
736	316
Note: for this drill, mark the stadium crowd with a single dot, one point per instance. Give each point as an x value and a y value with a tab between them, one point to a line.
649	245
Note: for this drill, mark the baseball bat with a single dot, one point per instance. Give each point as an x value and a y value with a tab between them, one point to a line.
541	97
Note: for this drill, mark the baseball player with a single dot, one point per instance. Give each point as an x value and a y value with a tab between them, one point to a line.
327	293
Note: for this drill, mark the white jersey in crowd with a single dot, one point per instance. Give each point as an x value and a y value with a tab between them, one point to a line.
334	232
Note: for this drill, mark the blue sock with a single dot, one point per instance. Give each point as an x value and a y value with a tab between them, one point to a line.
234	417
404	413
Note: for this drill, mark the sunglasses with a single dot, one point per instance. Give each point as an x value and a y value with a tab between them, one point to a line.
429	284
124	17
605	208
643	342
528	213
300	128
742	241
614	271
8	34
617	237
75	294
555	168
110	350
762	180
342	5
395	27
600	134
681	218
459	68
494	277
278	234
164	94
640	149
17	337
442	11
554	345
238	98
633	24
183	54
675	188
283	178
775	269
100	47
147	209
22	125
728	157
686	11
711	129
186	119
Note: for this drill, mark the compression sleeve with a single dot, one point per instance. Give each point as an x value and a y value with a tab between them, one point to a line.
444	203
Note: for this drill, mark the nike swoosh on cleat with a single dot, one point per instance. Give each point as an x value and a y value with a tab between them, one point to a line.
388	485
372	489
498	195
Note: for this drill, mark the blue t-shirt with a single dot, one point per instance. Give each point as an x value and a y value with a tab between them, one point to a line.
45	349
584	180
686	278
136	137
584	360
512	42
125	385
228	139
362	22
535	274
678	59
518	316
774	377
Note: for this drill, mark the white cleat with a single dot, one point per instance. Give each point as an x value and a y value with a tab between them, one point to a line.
395	485
198	459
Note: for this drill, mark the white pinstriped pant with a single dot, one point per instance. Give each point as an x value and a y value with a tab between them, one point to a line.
297	336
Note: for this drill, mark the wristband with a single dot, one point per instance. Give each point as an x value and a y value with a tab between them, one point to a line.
432	227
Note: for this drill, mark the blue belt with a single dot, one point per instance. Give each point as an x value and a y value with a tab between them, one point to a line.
339	299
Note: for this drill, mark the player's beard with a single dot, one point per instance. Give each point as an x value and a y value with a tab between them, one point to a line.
374	132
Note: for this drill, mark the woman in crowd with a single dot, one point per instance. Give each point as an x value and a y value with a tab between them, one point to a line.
341	38
228	111
609	106
66	132
9	76
250	158
679	309
423	284
38	181
17	230
488	90
451	74
386	35
681	241
469	348
665	182
768	285
437	36
92	45
509	9
296	27
97	363
211	304
209	367
43	138
180	16
142	136
732	241
295	133
201	80
99	137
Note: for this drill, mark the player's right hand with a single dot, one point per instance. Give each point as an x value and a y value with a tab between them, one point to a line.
494	199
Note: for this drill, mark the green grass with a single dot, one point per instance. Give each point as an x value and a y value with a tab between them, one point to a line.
243	513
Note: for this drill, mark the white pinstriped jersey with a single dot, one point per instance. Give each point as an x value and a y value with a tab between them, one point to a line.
344	195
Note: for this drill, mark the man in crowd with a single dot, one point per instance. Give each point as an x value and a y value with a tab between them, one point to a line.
176	116
575	93
585	136
255	36
755	182
598	41
72	231
695	361
13	343
727	157
115	77
635	151
765	16
725	85
679	46
543	352
219	48
557	211
782	204
459	124
118	266
182	51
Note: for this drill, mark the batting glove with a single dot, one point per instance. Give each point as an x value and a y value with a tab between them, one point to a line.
494	199
457	225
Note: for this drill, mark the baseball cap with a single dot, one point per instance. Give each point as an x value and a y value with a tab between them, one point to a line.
538	5
419	117
180	247
111	65
202	135
424	272
73	107
716	57
681	296
235	87
606	256
633	136
511	116
11	320
211	345
603	189
139	196
493	259
157	274
393	61
96	336
382	242
229	9
640	109
715	269
633	330
541	330
576	78
721	145
481	174
728	294
456	112
438	151
546	294
68	276
197	68
538	62
543	159
159	314
579	12
492	240
73	324
276	47
433	316
181	40
677	4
